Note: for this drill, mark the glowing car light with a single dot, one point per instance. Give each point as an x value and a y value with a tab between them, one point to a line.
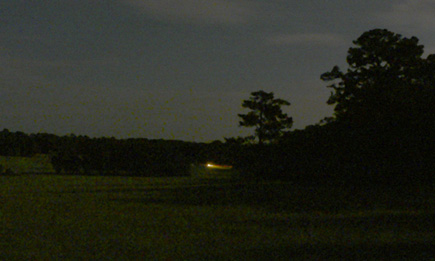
215	166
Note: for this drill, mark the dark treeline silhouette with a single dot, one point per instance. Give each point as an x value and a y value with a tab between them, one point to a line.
73	154
383	130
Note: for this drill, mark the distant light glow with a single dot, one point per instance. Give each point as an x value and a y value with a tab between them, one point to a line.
215	166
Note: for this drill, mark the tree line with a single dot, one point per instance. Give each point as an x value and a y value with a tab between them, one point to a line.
382	130
73	154
383	127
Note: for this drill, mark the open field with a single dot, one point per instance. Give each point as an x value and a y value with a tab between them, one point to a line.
36	164
84	217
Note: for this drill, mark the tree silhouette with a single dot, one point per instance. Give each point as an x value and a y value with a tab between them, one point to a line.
266	116
383	81
384	110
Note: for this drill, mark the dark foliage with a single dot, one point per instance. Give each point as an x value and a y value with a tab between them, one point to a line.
266	116
73	154
383	130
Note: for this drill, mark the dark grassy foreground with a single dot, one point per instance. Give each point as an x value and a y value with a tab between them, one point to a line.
76	217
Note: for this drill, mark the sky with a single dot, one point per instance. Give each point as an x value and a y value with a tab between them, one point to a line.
179	69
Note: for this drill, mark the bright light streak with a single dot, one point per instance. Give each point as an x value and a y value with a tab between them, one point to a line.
214	166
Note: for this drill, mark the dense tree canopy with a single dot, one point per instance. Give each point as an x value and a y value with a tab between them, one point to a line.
384	106
388	82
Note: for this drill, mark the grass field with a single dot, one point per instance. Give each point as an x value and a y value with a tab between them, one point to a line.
36	164
92	218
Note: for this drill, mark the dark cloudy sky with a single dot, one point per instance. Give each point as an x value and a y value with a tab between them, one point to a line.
179	69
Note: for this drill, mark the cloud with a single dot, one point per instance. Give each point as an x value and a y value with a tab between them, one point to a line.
328	39
414	14
412	17
227	12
